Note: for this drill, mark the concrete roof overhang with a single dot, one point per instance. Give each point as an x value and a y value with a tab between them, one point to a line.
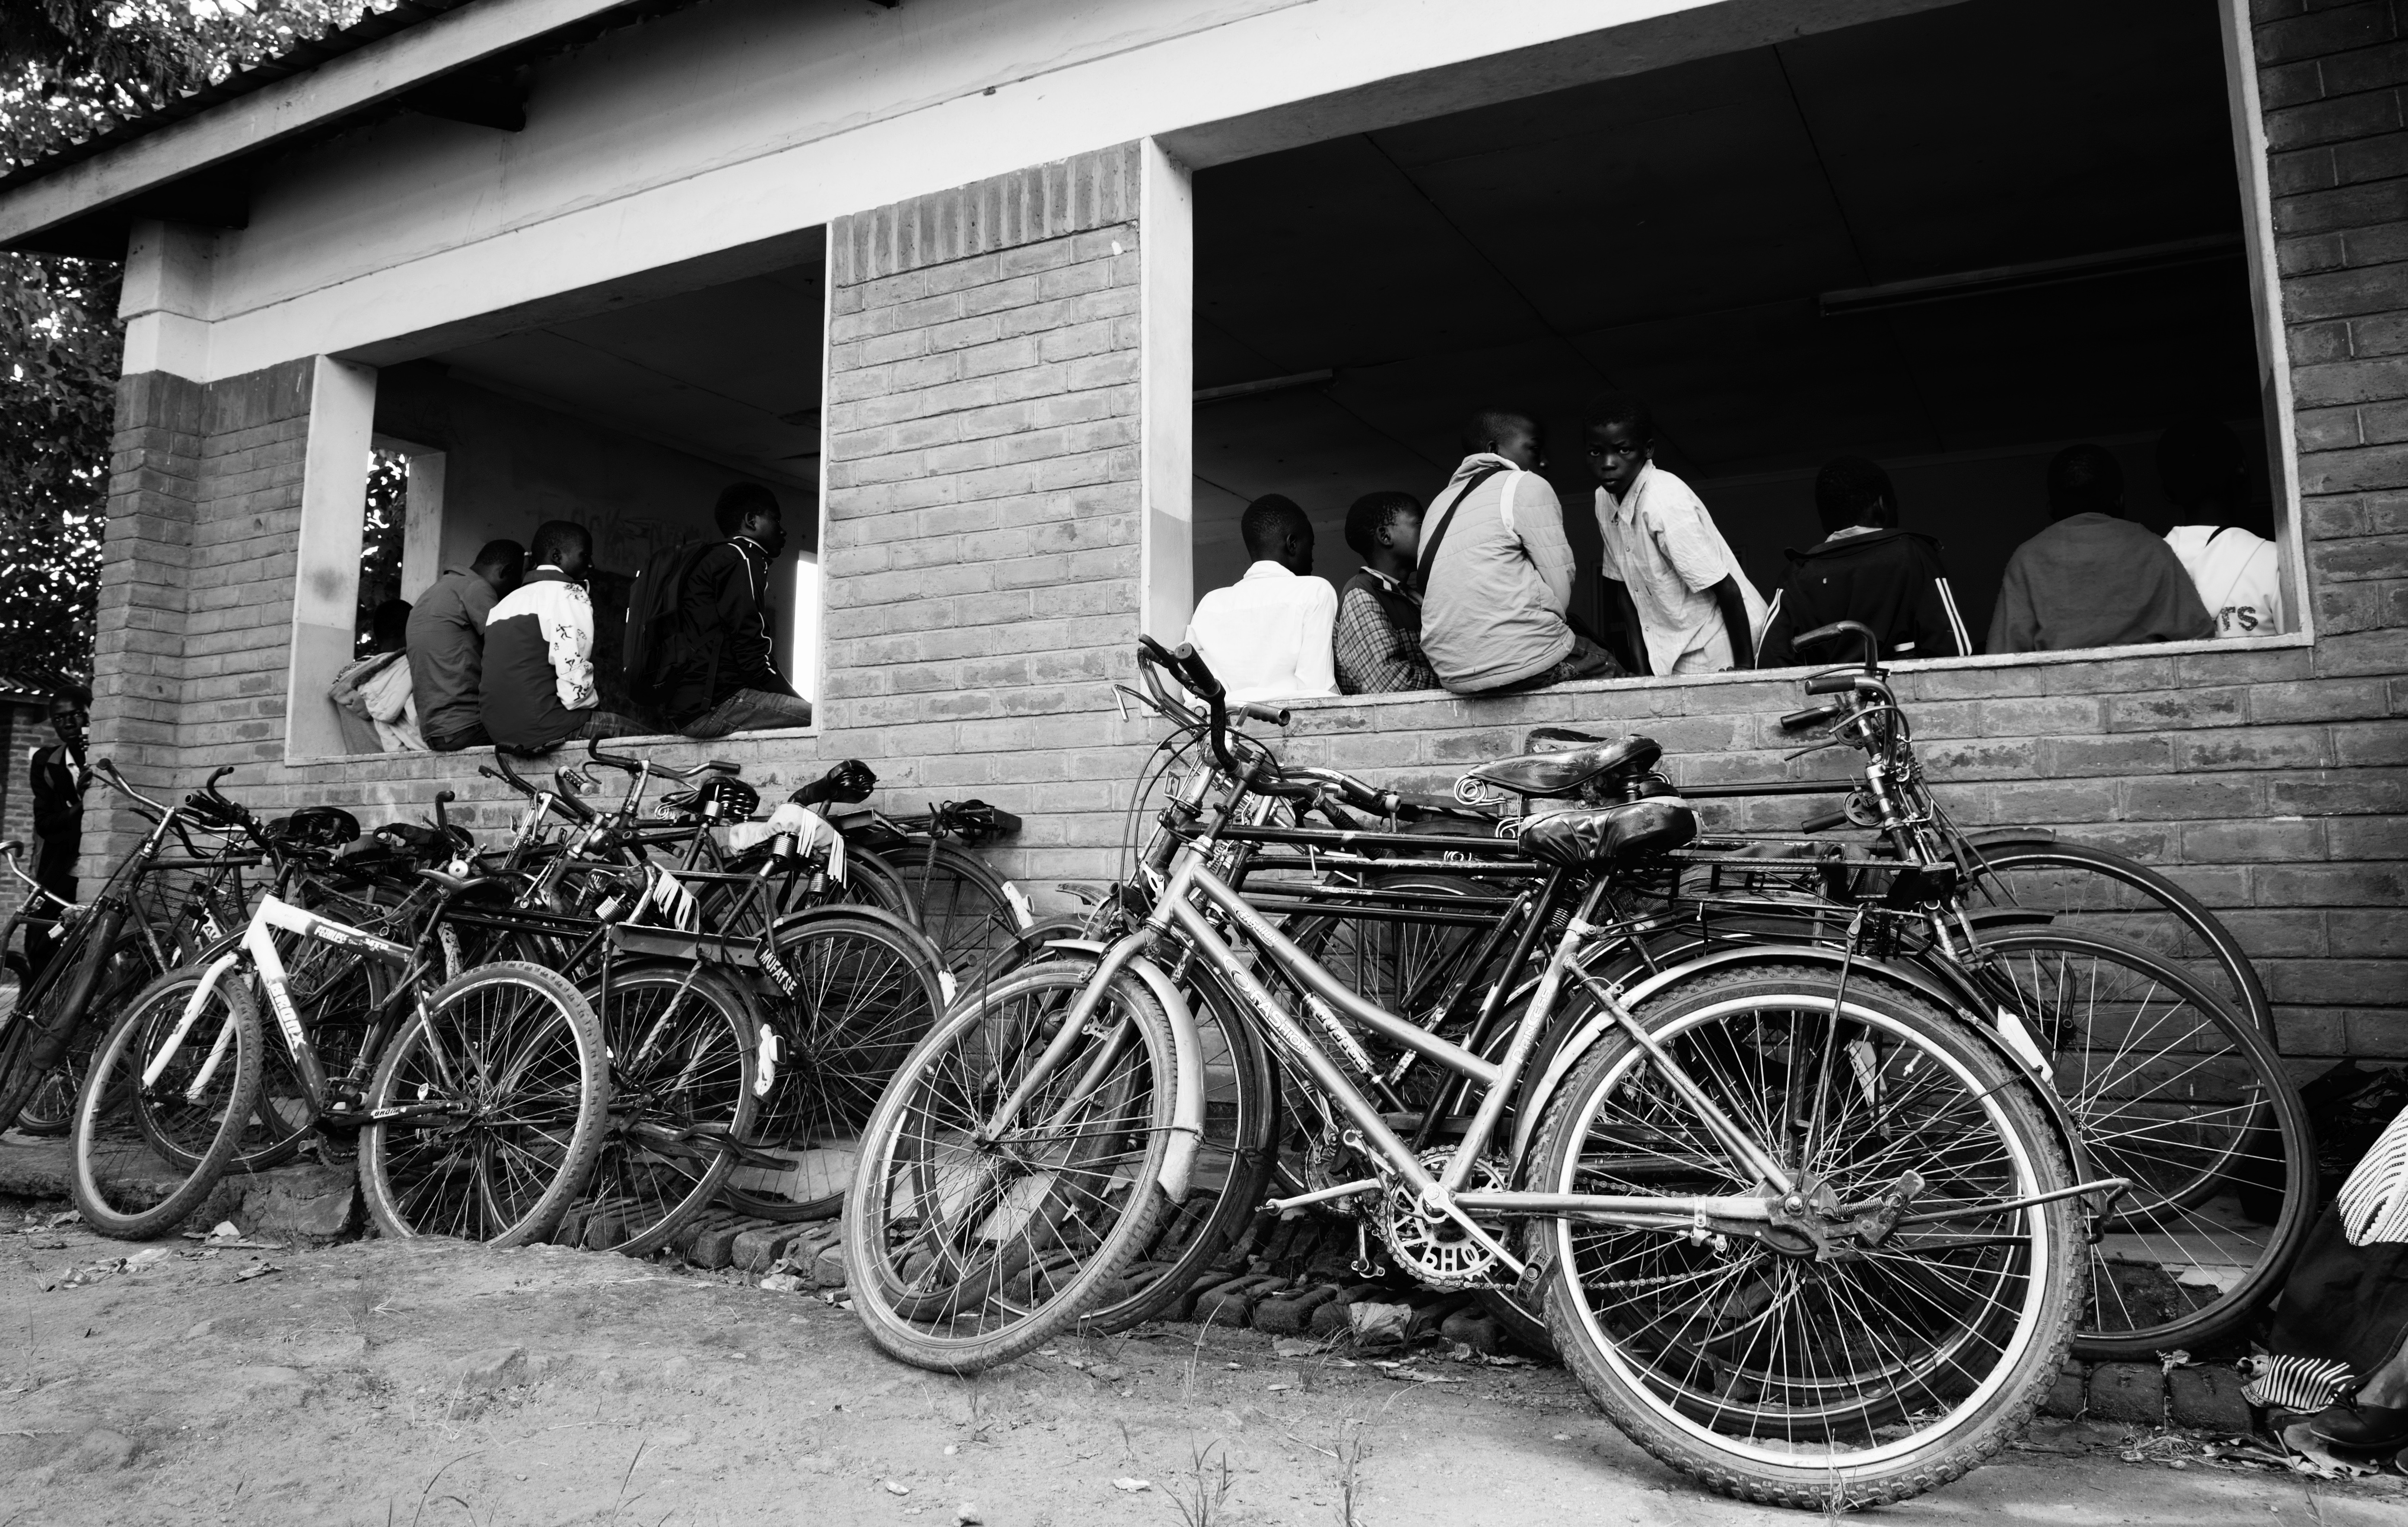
193	159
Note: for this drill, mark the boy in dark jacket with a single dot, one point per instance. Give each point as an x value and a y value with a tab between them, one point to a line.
1865	570
730	681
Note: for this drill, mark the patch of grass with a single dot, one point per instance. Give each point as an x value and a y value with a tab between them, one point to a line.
1201	1496
1352	1451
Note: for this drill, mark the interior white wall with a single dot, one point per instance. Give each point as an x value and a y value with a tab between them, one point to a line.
326	591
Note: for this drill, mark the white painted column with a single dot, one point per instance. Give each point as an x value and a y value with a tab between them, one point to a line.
422	526
326	587
1166	385
165	299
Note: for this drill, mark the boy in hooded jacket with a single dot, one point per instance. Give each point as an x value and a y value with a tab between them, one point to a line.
1865	570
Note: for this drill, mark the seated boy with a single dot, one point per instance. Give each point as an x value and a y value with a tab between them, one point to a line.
1379	635
1267	636
2093	578
1496	572
1865	570
1682	588
536	690
2235	570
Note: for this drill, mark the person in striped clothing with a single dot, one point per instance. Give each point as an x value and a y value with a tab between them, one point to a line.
1867	569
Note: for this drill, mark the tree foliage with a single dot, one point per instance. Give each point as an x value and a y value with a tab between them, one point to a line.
70	69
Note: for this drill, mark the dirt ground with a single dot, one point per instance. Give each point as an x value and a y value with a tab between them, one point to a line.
436	1383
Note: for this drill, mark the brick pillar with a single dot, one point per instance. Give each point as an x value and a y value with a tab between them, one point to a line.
2334	82
195	623
981	557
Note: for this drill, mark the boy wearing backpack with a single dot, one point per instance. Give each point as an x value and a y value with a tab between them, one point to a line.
699	642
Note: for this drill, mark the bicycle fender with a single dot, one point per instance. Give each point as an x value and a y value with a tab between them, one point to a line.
1568	1056
1188	1110
2002	837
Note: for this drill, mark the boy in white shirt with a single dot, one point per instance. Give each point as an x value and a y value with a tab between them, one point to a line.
1695	612
2239	578
1267	636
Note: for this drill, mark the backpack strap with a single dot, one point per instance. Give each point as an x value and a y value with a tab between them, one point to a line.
1429	547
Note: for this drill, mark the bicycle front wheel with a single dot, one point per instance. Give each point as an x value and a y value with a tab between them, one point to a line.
486	1110
1841	1366
973	1238
162	1108
2076	889
865	992
49	1109
682	1068
2174	1089
962	902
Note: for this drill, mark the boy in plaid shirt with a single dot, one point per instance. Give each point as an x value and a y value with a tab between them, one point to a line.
1379	632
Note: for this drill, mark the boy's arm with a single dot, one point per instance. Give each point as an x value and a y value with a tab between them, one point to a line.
1735	626
2185	616
1538	520
2013	627
568	637
1316	661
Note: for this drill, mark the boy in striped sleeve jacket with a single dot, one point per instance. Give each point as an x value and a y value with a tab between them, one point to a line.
1865	570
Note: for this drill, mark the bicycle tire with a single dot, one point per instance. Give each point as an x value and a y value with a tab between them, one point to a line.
1837	1407
30	1037
49	1110
557	1074
2185	917
868	989
962	1256
125	1184
651	1176
963	905
2244	1124
1233	1165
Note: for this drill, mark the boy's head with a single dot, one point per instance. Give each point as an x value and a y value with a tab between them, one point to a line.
389	626
500	563
70	713
2085	480
1510	433
1852	491
1276	530
753	511
1621	440
563	544
2202	470
1385	529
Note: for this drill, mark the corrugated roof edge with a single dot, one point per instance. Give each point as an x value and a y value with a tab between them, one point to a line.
295	60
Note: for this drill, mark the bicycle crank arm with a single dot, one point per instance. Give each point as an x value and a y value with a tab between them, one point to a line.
412	1110
1344	1189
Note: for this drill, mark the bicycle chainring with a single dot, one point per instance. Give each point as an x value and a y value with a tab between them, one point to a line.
1430	1247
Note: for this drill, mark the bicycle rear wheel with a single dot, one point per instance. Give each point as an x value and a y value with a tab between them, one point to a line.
963	905
682	1068
1777	1373
148	1151
486	1110
2082	889
865	992
969	1246
2174	1088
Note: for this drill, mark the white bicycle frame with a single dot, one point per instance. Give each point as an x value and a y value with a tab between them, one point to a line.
258	947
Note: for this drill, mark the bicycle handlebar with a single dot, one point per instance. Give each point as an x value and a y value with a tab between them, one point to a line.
1843	627
638	766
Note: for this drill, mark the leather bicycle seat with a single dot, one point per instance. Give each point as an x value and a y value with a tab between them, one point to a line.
1589	837
1565	774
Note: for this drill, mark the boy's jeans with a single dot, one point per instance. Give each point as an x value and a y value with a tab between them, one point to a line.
750	710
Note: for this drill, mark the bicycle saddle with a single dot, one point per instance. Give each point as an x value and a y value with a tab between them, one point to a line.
1593	836
1565	774
323	827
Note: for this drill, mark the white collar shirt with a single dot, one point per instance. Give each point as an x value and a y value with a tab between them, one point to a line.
1267	636
1661	545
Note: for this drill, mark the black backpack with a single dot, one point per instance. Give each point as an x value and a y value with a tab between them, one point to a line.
662	654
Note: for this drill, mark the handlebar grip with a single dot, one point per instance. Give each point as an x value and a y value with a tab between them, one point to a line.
11	849
593	751
1813	715
1147	647
215	775
1825	821
1832	683
1275	715
721	766
1198	674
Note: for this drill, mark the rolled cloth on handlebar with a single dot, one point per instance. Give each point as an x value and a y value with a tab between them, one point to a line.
1823	821
1274	714
1813	715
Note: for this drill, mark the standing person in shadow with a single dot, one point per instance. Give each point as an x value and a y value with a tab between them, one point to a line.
1496	572
2093	578
60	775
2206	479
